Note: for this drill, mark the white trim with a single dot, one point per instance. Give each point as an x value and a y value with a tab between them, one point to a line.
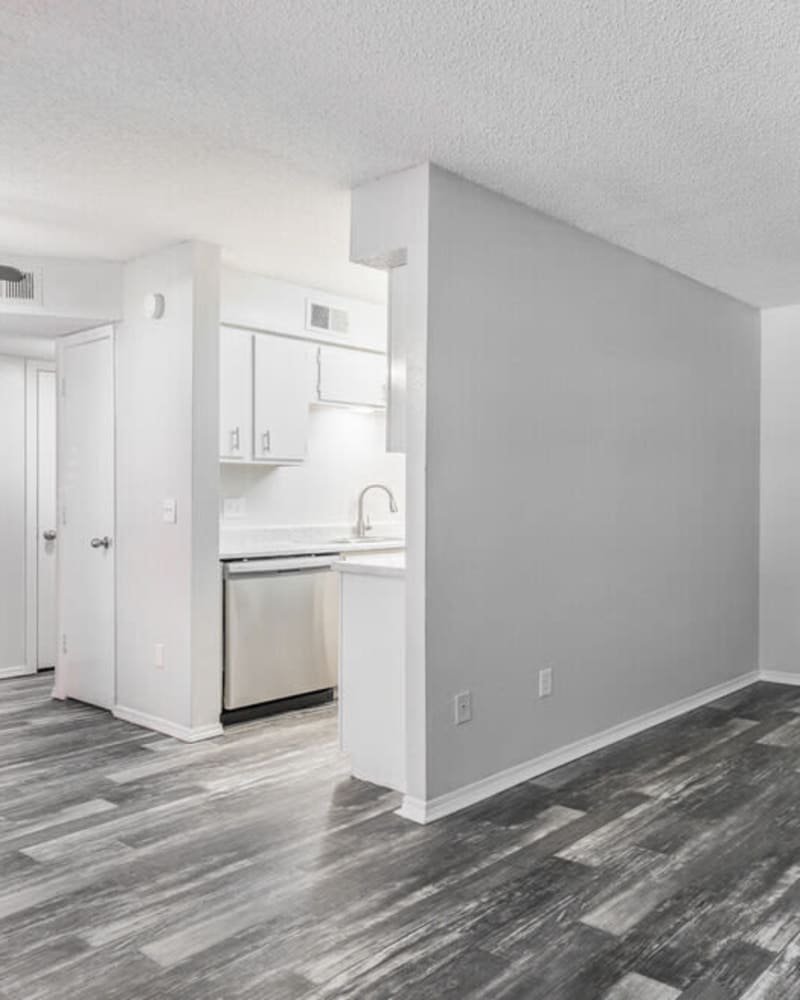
32	527
420	811
778	677
21	671
185	733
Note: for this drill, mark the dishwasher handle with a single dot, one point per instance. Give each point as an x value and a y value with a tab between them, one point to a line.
293	564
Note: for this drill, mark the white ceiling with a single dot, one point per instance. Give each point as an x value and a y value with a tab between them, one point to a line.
668	126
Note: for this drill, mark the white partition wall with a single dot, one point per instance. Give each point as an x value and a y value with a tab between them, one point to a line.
169	672
583	460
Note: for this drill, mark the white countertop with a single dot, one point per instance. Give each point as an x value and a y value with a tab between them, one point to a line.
376	564
320	548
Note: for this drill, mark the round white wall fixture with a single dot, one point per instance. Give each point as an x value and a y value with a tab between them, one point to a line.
154	305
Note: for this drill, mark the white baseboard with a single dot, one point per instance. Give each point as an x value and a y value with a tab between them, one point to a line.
22	671
421	811
778	677
184	733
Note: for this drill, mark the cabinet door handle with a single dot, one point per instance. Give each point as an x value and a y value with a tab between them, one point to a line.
266	442
235	439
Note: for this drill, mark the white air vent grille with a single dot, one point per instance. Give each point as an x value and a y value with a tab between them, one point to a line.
27	290
326	319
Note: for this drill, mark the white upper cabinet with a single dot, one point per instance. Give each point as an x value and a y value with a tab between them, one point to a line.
236	394
268	382
351	377
282	370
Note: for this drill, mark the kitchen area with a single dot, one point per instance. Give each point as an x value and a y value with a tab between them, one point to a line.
312	531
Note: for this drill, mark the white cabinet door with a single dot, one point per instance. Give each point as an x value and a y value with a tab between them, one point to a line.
282	380
235	394
355	377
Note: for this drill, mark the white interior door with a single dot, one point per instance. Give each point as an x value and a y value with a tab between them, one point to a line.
46	518
86	553
41	517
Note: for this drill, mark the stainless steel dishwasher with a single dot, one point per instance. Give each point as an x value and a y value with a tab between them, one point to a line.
281	628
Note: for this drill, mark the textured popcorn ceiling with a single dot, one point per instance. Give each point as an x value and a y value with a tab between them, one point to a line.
669	127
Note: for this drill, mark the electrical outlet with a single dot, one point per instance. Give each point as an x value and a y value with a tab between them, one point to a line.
234	507
463	708
159	656
546	682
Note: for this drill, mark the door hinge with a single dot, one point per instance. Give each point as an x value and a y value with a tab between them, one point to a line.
63	387
63	642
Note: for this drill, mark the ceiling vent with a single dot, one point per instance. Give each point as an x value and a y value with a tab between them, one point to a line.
29	290
326	319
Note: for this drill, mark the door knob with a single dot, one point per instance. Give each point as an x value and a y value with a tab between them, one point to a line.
49	536
101	543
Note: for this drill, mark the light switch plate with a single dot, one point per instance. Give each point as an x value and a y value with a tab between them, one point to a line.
169	510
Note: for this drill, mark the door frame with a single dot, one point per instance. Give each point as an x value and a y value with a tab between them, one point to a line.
32	368
107	331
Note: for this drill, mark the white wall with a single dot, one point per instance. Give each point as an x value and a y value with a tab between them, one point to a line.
167	574
590	460
38	348
389	230
261	303
89	291
346	451
12	513
780	490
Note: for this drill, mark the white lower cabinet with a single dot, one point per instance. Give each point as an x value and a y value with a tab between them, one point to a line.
281	399
351	377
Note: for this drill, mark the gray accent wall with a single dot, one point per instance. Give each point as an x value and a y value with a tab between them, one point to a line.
592	490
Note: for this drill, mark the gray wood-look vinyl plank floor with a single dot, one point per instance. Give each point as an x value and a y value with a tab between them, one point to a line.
133	867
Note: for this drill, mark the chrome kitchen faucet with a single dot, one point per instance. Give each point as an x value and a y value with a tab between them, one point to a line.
362	524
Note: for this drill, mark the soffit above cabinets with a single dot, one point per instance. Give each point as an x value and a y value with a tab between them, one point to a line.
256	302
